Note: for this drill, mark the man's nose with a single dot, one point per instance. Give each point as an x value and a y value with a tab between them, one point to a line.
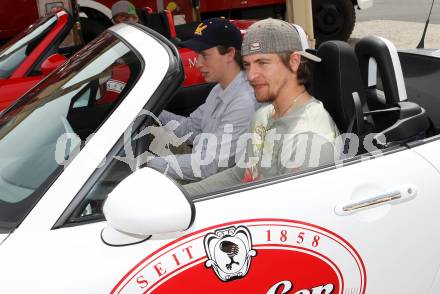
252	72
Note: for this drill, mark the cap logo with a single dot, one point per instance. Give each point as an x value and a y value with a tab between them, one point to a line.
132	10
255	46
200	29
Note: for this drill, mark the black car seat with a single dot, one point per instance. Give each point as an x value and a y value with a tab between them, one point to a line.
143	13
398	119
335	79
186	31
161	22
337	82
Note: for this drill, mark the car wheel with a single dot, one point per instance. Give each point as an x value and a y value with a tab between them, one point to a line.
333	19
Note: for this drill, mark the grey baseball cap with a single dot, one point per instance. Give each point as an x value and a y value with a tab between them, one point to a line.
274	36
124	7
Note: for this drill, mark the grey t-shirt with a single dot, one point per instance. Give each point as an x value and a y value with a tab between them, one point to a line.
302	138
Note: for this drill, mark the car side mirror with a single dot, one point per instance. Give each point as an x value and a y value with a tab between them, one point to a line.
143	204
52	63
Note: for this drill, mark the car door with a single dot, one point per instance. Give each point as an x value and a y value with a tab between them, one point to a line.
427	149
367	227
290	235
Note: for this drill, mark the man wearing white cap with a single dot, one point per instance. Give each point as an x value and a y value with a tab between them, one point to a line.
285	133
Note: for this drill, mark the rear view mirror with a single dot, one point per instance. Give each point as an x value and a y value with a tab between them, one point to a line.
52	63
143	204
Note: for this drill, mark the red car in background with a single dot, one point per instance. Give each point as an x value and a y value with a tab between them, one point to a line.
332	19
31	55
38	50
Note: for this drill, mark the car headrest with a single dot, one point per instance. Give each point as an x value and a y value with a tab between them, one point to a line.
335	79
168	20
162	22
143	13
379	53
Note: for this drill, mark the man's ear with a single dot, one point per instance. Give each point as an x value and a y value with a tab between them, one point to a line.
231	53
295	60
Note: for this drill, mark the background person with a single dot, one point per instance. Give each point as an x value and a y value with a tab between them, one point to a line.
178	15
124	11
277	70
228	107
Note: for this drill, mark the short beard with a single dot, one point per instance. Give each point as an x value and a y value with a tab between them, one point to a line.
270	98
267	99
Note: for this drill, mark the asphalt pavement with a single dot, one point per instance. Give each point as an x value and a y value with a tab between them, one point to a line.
401	21
401	10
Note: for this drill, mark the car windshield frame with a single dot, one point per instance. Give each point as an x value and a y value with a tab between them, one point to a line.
72	76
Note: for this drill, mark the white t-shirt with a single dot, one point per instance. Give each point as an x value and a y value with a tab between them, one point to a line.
301	139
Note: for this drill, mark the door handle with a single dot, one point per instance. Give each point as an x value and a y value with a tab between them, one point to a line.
402	194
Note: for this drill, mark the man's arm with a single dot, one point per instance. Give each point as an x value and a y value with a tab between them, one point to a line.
166	116
217	150
225	179
212	151
186	124
175	166
193	123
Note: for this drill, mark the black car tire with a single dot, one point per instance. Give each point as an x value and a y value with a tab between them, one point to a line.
333	19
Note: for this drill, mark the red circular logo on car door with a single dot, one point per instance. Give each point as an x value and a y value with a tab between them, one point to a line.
252	256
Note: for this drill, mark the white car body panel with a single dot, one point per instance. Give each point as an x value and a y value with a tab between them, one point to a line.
436	285
3	237
78	257
430	153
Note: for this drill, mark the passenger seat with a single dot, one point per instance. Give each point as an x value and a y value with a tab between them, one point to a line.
335	79
398	119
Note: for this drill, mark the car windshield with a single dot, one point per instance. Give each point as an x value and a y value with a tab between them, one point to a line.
48	125
13	53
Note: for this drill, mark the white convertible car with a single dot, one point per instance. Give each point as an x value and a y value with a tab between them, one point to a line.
81	213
